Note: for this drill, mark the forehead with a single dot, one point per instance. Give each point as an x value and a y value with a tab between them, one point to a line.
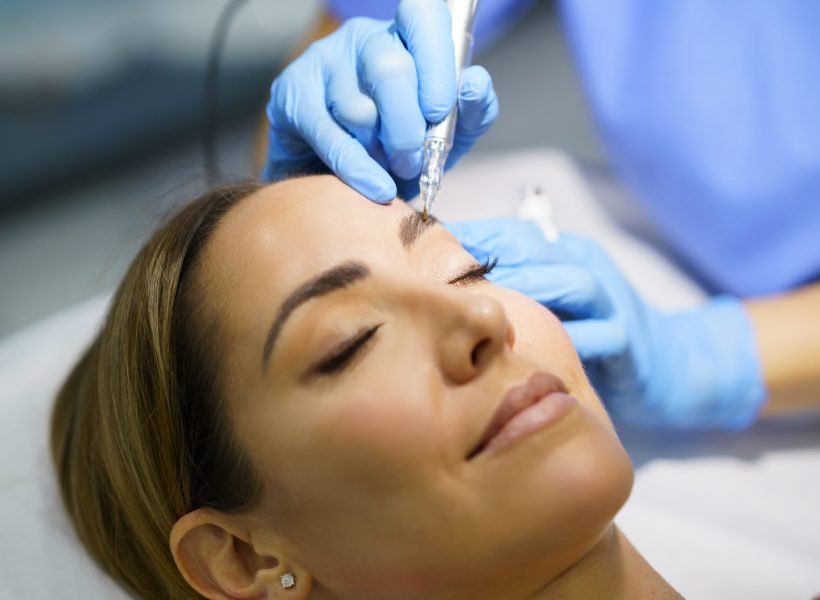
297	227
286	233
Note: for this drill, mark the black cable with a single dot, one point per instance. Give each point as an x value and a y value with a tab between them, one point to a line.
211	99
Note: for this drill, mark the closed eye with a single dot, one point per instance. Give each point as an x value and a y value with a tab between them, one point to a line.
339	358
475	272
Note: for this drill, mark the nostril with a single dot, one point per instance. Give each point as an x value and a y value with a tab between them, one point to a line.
475	355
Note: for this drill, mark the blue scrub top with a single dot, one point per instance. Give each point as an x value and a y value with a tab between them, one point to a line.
709	110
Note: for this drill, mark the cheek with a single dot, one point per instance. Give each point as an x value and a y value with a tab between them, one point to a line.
375	434
541	339
371	422
539	335
331	462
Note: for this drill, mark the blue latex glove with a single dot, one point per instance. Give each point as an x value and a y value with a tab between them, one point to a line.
684	370
358	102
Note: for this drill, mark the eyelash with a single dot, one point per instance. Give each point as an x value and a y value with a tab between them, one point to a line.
475	272
339	360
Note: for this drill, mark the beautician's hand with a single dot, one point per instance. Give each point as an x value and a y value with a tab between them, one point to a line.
684	370
358	102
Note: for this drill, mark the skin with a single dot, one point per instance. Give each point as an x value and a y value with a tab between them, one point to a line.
368	492
788	340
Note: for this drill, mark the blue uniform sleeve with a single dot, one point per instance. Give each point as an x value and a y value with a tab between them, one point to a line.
494	17
709	111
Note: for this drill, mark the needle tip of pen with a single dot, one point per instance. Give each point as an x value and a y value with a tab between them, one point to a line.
424	215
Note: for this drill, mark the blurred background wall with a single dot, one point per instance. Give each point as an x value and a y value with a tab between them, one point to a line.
86	83
102	120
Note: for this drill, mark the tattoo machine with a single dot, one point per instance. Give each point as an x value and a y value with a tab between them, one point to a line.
439	138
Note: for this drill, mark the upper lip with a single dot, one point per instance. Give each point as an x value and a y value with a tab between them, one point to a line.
518	398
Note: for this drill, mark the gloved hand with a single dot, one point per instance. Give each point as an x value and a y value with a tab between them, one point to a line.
680	370
358	102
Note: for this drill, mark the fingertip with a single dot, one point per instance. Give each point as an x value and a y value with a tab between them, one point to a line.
367	177
580	340
475	83
477	101
596	338
436	104
381	190
383	197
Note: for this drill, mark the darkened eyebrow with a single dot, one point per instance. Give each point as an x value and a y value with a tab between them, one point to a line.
330	280
412	226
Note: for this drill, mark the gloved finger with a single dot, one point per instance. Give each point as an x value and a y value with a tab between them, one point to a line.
596	339
567	289
357	114
346	157
424	27
352	109
494	237
477	110
387	73
513	241
585	249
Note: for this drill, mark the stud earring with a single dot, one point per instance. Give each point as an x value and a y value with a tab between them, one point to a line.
287	580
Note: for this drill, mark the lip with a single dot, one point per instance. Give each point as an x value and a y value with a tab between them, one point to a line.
525	408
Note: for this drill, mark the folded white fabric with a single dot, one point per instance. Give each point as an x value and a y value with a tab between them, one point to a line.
719	515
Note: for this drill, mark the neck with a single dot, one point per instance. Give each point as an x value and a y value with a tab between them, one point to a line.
613	568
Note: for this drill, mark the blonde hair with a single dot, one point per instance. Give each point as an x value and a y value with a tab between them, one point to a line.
139	432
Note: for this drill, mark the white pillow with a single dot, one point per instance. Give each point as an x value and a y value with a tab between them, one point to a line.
41	555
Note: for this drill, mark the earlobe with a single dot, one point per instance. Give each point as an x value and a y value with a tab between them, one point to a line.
286	584
214	555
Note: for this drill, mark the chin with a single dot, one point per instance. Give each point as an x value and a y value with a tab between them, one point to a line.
587	479
599	475
569	501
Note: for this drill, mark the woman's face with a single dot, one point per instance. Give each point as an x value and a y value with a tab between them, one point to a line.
360	380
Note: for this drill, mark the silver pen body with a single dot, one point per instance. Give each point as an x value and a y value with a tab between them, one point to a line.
439	137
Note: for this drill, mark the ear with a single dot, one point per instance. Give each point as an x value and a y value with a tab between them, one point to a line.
214	555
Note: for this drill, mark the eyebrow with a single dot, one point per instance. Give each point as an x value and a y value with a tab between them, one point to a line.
412	226
339	277
330	280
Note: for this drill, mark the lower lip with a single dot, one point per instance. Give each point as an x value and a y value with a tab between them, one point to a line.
546	412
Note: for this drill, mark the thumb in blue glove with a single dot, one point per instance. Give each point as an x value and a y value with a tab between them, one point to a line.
684	370
358	102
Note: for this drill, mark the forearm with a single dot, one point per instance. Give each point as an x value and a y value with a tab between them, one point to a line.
323	26
787	329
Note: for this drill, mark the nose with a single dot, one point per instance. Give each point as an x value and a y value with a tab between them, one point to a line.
473	331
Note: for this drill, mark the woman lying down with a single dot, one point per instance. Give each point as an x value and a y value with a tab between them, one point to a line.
299	393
